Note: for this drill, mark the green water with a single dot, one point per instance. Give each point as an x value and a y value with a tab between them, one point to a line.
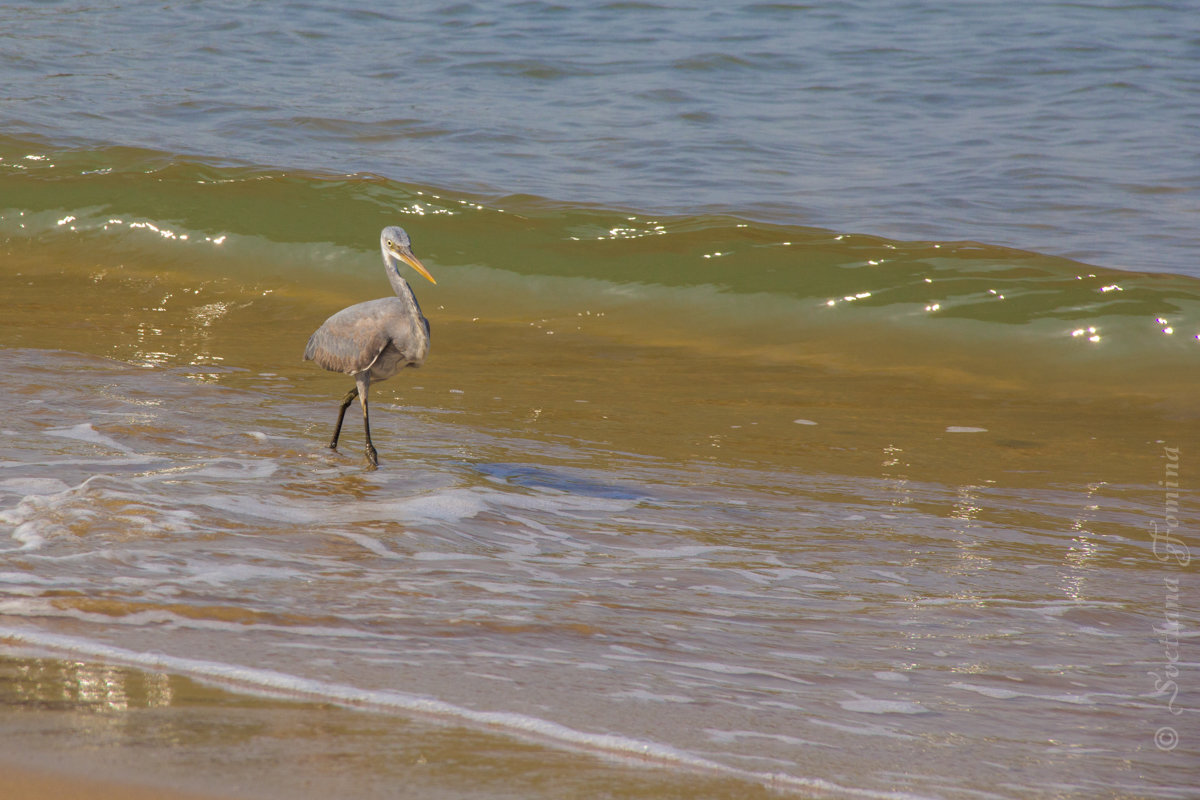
721	281
779	504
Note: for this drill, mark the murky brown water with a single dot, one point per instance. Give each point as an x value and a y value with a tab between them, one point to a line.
586	564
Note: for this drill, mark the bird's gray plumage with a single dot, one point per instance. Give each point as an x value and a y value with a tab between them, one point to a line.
379	335
376	339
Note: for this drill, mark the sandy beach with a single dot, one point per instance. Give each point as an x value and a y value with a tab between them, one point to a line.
23	783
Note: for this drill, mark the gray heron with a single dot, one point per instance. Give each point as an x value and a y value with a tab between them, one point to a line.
376	339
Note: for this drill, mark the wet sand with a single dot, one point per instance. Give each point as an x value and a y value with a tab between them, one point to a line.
93	731
23	783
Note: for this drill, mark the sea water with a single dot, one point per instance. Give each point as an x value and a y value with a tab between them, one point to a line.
811	400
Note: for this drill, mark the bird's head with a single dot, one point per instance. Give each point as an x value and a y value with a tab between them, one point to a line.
395	244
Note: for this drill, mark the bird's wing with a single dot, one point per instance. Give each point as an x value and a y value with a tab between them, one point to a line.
351	340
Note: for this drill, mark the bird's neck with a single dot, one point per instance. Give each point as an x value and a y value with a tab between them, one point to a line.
399	285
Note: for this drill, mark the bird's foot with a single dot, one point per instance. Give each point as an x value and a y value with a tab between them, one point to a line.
372	456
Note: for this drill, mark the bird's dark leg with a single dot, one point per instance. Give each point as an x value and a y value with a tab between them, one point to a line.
337	431
364	382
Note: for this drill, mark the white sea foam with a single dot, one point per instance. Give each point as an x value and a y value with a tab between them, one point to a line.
1008	694
862	729
33	486
94	463
644	696
232	468
428	555
733	669
867	705
732	736
239	573
898	677
558	501
46	608
447	506
84	432
891	576
800	656
27	536
46	511
371	544
988	691
32	519
25	578
683	551
272	508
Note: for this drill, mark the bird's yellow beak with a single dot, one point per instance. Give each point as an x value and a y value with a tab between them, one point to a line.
406	255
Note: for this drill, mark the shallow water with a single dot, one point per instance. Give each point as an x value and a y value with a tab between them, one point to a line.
769	621
693	497
634	553
112	720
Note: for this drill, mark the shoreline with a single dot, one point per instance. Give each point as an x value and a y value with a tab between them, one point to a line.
91	730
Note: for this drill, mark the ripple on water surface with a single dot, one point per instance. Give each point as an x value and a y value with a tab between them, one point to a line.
754	622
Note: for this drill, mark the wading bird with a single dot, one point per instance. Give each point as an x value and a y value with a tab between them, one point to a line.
374	340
